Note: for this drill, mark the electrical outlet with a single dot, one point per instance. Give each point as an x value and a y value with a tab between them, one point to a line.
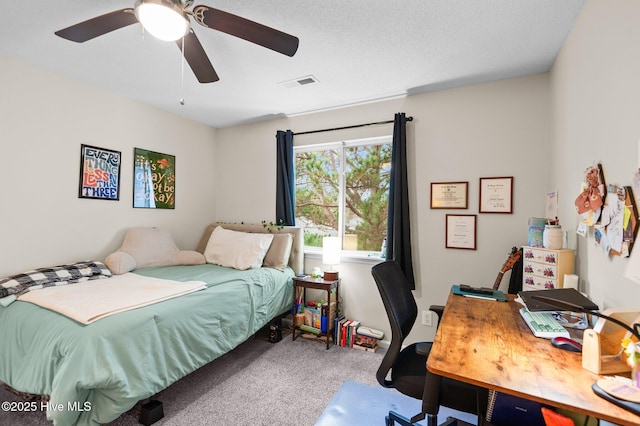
426	318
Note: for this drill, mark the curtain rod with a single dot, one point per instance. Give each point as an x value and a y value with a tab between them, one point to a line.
348	127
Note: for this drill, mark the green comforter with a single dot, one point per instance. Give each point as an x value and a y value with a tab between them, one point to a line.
93	373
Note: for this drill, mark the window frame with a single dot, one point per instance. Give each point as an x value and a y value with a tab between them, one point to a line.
342	145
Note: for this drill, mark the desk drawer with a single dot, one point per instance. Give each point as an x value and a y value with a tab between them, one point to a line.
533	282
540	269
549	257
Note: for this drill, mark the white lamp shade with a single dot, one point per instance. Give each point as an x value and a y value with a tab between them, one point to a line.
331	250
163	20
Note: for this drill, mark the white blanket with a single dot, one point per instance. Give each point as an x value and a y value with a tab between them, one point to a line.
92	300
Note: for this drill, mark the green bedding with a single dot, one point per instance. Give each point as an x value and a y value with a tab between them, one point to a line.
93	373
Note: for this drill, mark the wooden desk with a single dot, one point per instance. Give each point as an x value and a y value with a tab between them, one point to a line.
488	344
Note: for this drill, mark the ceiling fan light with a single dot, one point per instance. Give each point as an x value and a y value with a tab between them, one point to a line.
165	20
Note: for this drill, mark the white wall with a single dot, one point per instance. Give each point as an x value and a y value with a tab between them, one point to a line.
44	118
543	130
495	129
595	96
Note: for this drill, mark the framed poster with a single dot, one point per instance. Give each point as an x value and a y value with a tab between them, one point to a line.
496	195
154	180
449	195
461	231
99	173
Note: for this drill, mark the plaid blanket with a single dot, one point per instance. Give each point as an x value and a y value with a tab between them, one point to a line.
57	275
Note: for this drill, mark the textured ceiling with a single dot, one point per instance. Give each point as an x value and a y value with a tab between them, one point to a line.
358	51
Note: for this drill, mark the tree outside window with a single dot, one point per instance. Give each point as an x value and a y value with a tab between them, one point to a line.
342	189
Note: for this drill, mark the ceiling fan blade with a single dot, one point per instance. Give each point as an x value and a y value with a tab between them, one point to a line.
245	29
197	58
98	26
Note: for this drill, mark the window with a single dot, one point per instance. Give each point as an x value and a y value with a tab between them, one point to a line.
342	189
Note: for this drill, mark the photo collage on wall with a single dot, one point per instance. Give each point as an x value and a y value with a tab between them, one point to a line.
611	210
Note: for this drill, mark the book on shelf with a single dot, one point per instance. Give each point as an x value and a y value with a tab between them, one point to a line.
344	331
327	315
353	327
312	317
336	328
308	316
345	334
320	316
324	319
341	330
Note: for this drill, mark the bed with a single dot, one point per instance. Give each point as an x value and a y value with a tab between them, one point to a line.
92	373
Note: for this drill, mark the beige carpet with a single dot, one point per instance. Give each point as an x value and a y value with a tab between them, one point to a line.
259	383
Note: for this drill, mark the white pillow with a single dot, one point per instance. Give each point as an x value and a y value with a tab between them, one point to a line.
239	250
278	254
149	247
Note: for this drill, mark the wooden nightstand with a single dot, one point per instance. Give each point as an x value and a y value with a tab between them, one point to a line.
318	284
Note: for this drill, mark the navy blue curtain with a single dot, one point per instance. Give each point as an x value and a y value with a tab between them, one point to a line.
285	188
398	225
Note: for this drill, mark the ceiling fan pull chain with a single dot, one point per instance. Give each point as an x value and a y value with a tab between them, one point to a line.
182	75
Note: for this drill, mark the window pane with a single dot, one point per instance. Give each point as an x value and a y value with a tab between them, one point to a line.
366	196
353	194
317	194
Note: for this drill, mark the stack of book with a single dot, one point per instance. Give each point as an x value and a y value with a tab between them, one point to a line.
365	343
345	334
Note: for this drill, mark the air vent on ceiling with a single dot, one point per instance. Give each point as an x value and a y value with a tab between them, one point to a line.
297	82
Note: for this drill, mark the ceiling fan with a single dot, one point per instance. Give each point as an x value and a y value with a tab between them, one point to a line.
169	20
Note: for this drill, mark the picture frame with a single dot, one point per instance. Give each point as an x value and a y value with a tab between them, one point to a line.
496	195
99	173
154	179
460	231
449	195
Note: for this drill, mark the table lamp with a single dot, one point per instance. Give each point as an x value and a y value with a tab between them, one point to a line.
331	256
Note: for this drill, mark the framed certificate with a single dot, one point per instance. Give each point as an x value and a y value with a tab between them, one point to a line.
449	195
496	195
461	231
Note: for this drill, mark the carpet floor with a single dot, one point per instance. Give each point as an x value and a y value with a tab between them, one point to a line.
258	383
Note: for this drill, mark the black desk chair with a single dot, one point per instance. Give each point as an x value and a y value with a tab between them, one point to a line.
408	367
